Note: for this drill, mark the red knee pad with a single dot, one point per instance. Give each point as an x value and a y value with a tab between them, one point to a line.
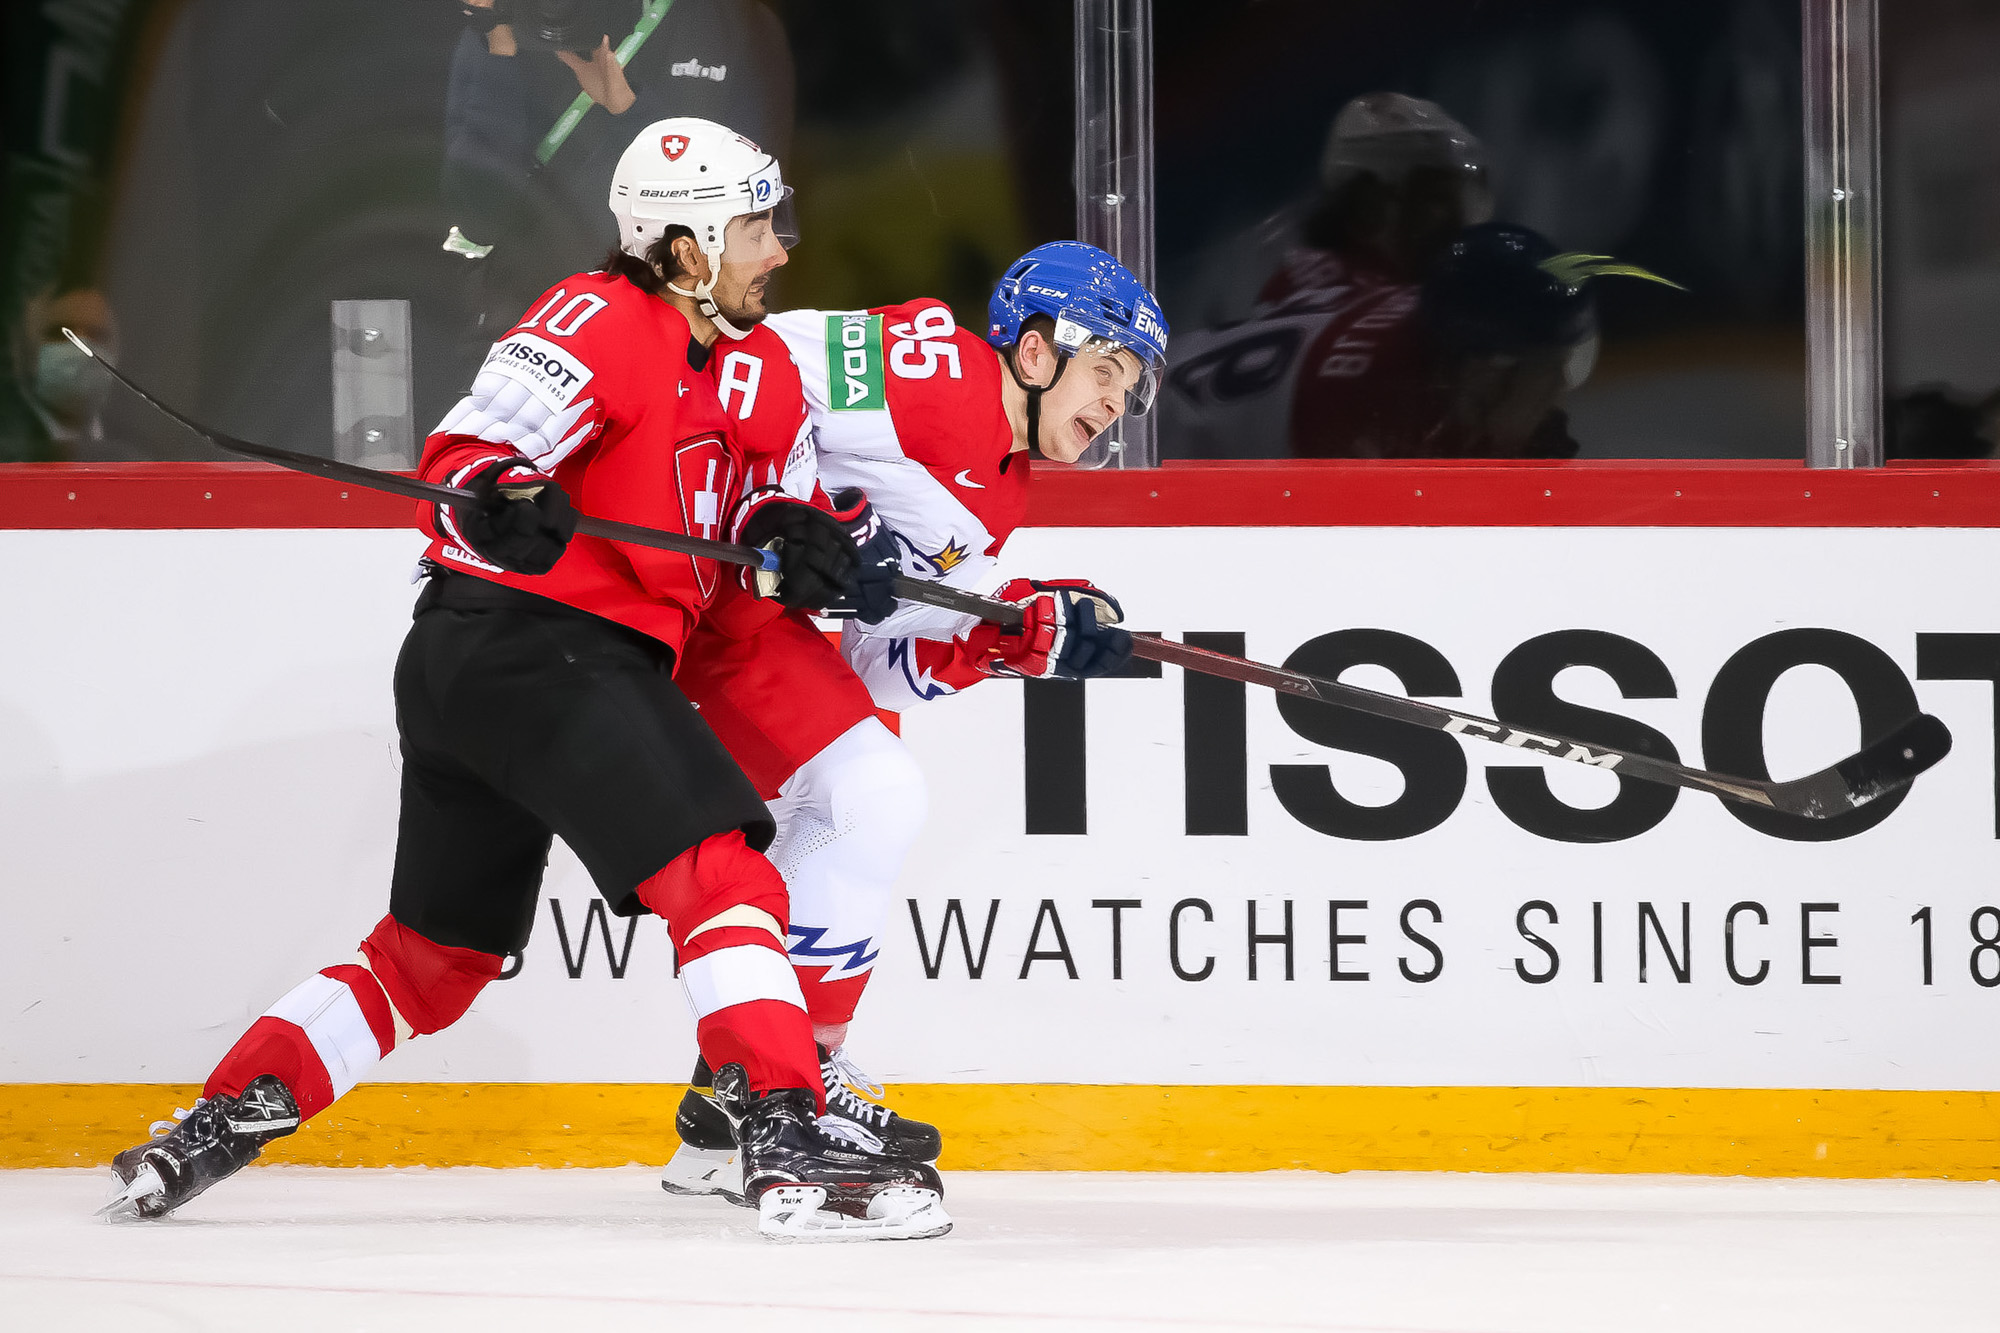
711	877
431	985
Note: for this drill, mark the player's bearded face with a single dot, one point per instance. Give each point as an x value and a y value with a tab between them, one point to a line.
751	252
1085	401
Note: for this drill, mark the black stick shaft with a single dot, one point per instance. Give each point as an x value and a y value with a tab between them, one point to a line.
410	487
1886	766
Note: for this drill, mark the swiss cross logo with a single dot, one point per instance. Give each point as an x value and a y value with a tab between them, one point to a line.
706	475
708	503
673	145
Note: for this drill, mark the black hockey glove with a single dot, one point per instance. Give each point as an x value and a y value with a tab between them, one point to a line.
521	520
880	560
816	557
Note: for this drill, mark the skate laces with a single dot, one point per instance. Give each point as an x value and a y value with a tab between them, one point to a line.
159	1129
843	1077
842	1130
850	1073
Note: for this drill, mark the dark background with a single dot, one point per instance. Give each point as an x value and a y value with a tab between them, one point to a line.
249	163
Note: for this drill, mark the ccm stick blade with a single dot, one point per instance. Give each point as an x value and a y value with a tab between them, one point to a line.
1886	766
1890	764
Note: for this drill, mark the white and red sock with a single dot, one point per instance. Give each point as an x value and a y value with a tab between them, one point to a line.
328	1031
725	908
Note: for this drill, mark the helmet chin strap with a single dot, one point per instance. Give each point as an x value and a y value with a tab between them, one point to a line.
704	299
1035	392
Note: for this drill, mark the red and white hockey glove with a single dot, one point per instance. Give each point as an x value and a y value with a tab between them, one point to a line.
1068	632
520	520
816	556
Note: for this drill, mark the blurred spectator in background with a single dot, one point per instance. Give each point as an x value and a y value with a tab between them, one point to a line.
69	393
1315	346
1398	179
542	100
1390	318
63	64
1509	330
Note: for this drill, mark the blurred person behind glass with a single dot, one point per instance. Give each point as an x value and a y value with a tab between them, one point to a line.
1308	343
539	108
1391	319
65	71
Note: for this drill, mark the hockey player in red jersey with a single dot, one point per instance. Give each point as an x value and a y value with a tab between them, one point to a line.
937	427
535	697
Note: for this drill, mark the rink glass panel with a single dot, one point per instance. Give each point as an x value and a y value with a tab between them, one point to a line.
206	180
1941	227
1666	137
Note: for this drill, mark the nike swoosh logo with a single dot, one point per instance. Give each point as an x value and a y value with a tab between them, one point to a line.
964	478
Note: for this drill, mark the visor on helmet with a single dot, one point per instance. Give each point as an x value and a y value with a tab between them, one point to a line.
785	220
1072	338
747	233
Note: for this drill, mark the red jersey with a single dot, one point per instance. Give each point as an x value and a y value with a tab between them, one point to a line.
594	388
758	387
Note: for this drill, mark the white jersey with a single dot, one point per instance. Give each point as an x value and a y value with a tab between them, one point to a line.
907	406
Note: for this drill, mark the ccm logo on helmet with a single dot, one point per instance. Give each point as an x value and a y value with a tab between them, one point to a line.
673	145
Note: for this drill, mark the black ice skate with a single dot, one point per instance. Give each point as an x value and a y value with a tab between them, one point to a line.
706	1160
216	1139
808	1186
899	1135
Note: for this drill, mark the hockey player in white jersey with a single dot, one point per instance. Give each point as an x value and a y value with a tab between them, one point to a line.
938	426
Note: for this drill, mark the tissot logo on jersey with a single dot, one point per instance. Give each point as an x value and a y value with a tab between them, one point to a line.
854	363
555	376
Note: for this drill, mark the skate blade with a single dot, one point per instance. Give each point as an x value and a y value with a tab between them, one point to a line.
798	1214
125	1202
696	1171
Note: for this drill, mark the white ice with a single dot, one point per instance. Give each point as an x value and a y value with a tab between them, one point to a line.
302	1250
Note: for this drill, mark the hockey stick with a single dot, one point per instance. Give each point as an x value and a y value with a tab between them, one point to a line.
1887	765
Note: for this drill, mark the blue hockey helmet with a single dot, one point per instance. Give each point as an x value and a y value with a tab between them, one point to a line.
1097	305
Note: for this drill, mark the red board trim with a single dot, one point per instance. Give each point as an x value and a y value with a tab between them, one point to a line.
1276	494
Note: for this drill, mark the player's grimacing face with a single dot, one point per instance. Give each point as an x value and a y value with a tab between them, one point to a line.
751	252
1084	402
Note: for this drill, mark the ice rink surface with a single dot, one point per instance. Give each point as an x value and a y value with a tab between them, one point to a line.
303	1249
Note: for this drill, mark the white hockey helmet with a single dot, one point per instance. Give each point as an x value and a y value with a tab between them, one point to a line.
694	173
1390	134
